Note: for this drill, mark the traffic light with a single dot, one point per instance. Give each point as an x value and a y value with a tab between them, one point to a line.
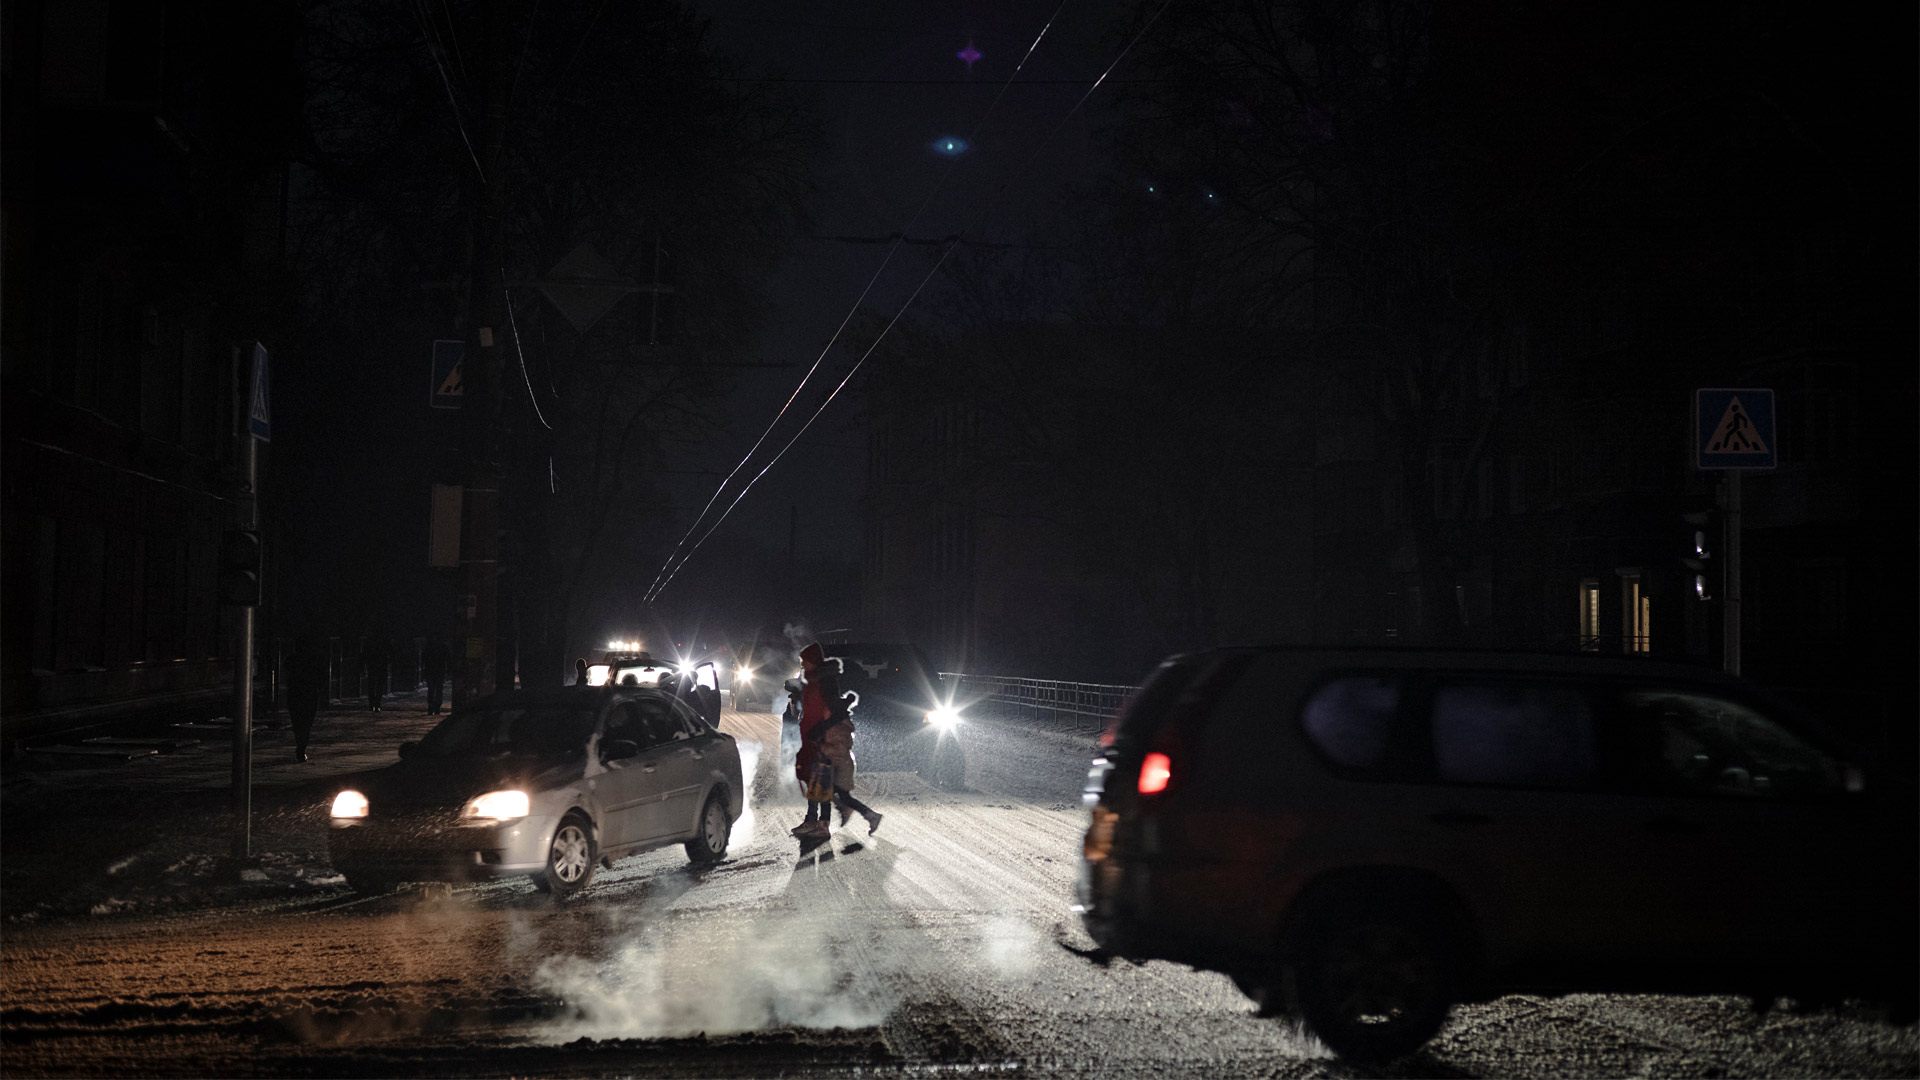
1697	554
240	568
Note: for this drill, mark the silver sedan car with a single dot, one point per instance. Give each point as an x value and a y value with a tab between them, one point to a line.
545	785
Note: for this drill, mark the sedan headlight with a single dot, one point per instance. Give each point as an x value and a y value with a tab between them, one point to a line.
498	806
349	804
944	718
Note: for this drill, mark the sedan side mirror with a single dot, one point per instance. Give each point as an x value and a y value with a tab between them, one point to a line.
407	749
619	748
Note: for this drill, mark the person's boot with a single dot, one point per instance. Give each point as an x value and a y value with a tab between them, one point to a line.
873	822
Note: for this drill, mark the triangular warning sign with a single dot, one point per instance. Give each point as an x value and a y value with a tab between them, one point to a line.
450	386
1735	433
258	410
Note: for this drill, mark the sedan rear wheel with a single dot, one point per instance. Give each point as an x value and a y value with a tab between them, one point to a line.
709	845
570	859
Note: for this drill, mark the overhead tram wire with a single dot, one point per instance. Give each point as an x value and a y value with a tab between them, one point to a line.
900	238
803	428
430	36
521	353
954	242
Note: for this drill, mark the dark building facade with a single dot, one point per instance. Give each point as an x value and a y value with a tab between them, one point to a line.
1546	500
145	151
1075	502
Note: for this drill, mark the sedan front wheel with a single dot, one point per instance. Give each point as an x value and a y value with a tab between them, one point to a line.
570	859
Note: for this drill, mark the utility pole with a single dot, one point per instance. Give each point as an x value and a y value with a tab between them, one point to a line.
478	606
240	571
1730	593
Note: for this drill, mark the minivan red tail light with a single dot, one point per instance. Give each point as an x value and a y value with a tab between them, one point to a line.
1155	771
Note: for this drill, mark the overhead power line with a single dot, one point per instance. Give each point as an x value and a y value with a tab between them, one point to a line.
668	568
671	570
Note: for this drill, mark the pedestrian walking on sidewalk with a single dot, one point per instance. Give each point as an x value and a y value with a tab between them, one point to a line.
306	682
374	655
433	665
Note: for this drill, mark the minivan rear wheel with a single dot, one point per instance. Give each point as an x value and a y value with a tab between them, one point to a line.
1374	981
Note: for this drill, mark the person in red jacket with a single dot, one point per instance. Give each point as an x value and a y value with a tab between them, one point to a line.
818	689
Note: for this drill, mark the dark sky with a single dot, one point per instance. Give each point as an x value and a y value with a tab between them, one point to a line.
888	84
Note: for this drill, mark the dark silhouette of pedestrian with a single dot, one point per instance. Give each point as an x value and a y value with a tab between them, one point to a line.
819	691
580	671
836	749
433	664
306	682
374	656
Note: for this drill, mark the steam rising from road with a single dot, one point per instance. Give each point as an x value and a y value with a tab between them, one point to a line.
1010	945
747	972
743	828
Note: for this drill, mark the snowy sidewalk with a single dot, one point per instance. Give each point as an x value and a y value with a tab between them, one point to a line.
156	833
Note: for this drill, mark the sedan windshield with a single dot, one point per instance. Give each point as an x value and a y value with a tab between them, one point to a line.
545	729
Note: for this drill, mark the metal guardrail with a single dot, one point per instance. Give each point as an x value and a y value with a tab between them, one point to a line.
1054	695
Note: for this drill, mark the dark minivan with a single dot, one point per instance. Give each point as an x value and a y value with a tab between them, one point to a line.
1362	838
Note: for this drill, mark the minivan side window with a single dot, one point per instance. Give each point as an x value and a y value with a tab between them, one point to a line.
1524	734
1350	718
1696	744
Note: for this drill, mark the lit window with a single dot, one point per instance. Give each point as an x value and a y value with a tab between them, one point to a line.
1589	615
1636	615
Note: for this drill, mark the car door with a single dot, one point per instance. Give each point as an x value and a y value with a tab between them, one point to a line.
1756	842
627	786
706	692
679	756
1522	809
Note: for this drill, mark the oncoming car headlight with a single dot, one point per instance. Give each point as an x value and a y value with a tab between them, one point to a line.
744	674
349	804
498	806
944	718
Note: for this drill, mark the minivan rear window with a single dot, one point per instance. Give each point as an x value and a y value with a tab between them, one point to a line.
1526	734
1147	706
1350	718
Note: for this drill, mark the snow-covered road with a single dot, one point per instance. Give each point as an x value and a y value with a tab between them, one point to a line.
934	947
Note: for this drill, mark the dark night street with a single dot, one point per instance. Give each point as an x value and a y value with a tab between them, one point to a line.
936	946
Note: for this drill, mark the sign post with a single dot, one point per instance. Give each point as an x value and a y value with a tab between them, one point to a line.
1734	432
254	425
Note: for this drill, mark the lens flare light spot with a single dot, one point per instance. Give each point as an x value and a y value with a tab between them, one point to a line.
950	146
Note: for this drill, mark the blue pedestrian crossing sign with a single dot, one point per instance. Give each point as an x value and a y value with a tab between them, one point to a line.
1734	429
447	391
